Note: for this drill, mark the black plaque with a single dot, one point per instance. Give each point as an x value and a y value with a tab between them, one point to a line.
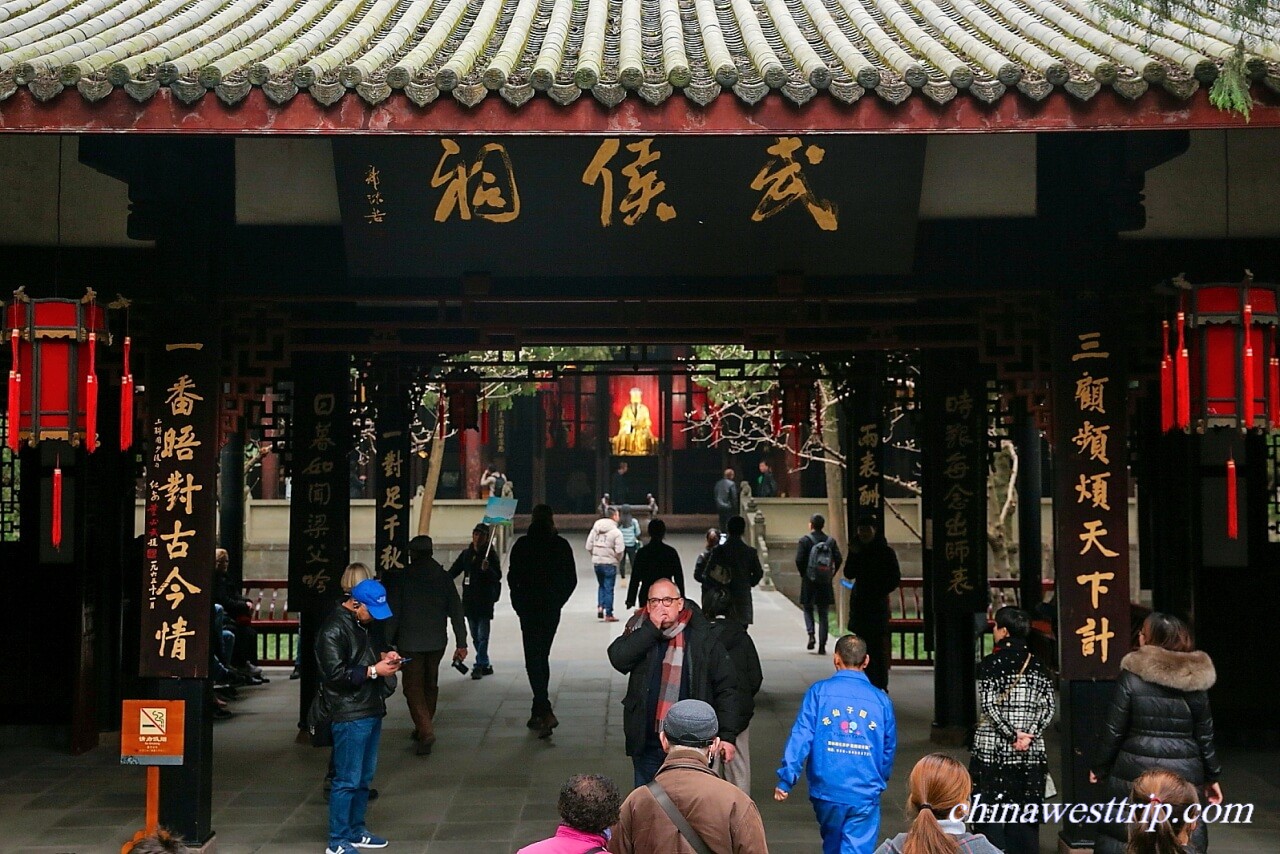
1091	494
425	207
867	435
391	539
320	504
181	506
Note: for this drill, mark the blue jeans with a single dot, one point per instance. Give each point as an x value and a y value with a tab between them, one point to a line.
480	635
355	758
647	762
606	575
847	829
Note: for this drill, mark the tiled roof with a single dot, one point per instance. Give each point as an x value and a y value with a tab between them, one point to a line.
613	49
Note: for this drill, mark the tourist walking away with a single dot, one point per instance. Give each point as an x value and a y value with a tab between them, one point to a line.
605	545
481	569
765	486
1163	824
425	602
588	807
620	484
817	559
732	568
669	654
630	528
1159	718
541	576
728	628
1016	699
686	808
872	566
726	496
844	738
355	681
493	482
654	560
938	789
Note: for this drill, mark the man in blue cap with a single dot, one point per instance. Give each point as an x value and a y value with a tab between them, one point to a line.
355	681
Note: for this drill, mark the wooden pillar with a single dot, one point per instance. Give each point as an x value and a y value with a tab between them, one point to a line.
955	459
1091	531
1030	488
320	504
231	504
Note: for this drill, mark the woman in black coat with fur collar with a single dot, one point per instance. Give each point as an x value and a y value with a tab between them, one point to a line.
1159	718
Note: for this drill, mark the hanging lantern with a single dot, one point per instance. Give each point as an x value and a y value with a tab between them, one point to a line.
775	414
464	401
1231	350
797	392
53	383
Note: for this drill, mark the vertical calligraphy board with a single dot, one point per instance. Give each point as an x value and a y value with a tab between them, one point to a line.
320	503
181	505
867	434
391	539
1091	495
956	442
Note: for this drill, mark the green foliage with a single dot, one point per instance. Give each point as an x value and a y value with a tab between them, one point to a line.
1230	91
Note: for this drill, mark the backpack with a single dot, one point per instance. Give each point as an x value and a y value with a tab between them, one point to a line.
719	569
498	483
821	565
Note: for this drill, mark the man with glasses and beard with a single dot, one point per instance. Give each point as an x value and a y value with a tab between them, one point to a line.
670	654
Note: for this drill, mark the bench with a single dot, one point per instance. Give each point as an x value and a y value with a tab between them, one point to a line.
276	626
906	617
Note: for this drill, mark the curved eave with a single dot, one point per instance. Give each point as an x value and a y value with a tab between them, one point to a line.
258	115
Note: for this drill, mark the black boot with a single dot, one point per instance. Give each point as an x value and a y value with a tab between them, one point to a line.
811	641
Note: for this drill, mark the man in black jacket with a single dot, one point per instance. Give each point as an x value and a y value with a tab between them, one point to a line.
355	681
669	654
728	628
542	575
873	567
425	601
653	561
746	569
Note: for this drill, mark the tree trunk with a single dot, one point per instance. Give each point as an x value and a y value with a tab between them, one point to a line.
832	423
435	462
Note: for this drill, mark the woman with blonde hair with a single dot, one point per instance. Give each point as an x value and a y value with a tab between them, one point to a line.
354	574
938	784
1163	824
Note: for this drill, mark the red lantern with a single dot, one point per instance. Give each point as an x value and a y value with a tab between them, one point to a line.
1232	345
464	402
53	383
797	391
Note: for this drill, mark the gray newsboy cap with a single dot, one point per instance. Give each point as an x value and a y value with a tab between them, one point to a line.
692	723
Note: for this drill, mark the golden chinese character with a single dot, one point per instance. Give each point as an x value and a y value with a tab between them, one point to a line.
391	500
175	582
642	187
1091	635
390	558
957	550
318	465
1096	587
957	525
375	199
376	215
319	493
174	543
181	397
868	495
961	403
323	404
318	582
179	489
392	464
957	467
391	524
180	443
959	582
869	436
175	638
783	182
1093	488
372	177
1092	531
1089	343
487	195
1094	440
317	525
1089	393
315	554
958	436
867	465
956	497
322	441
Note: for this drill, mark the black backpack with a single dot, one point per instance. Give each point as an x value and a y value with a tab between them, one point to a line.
821	568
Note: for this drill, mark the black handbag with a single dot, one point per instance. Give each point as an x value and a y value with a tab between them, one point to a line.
319	723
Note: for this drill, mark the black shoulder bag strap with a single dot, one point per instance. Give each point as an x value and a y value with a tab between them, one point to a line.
677	818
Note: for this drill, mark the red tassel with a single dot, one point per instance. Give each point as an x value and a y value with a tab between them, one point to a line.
484	426
1233	524
1166	383
775	416
15	398
91	397
126	401
1183	416
55	527
1247	407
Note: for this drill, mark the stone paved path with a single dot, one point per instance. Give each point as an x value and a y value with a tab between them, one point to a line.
490	785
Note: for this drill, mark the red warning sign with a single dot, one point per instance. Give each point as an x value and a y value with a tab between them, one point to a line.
151	732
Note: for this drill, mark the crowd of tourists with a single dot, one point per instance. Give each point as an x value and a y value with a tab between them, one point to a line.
693	675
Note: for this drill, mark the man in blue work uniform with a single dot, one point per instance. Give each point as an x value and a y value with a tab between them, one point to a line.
847	734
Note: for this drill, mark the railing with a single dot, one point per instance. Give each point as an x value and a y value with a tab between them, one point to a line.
277	628
906	617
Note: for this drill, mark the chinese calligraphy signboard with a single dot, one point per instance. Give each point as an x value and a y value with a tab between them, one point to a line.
955	440
866	469
649	206
1091	506
391	539
320	505
152	732
180	510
